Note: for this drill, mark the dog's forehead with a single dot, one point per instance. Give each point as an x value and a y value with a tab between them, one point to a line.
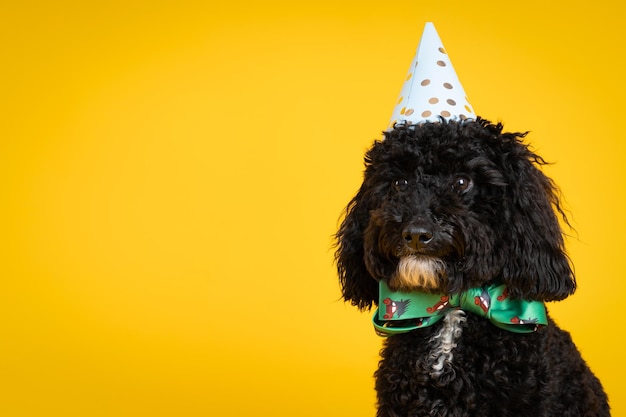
440	148
426	156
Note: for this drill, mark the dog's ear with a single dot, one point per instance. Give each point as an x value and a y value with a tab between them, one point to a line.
357	285
535	263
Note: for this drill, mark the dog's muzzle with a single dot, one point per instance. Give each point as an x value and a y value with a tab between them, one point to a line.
418	238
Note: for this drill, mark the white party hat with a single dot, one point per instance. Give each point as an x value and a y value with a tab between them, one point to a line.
431	90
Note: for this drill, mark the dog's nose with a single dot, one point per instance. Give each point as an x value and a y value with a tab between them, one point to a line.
417	237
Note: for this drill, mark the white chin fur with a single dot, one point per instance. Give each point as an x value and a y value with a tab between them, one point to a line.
418	272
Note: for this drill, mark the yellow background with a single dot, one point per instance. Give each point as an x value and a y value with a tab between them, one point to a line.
172	173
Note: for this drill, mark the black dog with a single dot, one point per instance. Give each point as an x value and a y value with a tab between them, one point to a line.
446	207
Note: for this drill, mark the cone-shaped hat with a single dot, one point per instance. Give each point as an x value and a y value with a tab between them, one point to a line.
431	89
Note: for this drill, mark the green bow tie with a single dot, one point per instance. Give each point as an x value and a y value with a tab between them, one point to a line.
417	309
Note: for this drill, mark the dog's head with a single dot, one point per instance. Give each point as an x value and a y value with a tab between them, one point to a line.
448	206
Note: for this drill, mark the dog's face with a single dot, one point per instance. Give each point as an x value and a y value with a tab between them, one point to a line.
449	206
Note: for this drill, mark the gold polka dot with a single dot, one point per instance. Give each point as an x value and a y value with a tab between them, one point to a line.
425	82
451	102
400	100
441	63
443	51
433	100
403	110
445	113
468	109
448	86
426	113
408	112
408	77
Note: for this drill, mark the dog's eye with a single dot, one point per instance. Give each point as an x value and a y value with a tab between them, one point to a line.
400	184
463	184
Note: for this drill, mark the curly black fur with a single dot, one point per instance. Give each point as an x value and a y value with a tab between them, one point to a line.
468	204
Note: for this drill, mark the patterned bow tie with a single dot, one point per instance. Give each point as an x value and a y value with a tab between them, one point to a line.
400	312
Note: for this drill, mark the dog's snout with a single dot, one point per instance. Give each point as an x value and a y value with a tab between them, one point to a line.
417	237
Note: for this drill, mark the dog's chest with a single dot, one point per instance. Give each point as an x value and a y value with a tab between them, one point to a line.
443	343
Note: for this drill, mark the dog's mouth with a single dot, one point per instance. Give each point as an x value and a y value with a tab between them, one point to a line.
419	272
418	256
423	256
